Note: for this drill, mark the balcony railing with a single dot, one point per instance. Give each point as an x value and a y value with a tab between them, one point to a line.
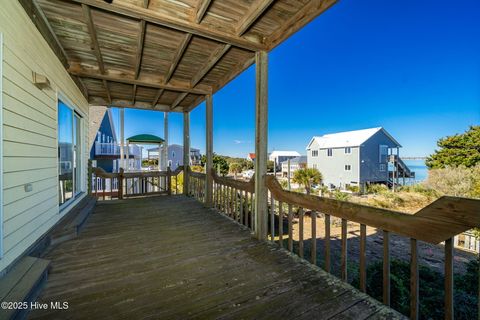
109	186
435	224
113	149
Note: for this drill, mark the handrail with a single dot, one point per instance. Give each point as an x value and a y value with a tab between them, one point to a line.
199	175
248	186
440	221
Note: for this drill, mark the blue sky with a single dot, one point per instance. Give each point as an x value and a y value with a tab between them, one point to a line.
412	67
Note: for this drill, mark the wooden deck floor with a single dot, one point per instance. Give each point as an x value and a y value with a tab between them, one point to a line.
170	258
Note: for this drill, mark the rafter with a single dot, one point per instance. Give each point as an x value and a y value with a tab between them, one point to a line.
178	57
157	97
147	82
165	20
212	61
87	15
298	20
179	99
134	94
256	10
105	84
146	3
140	42
202	7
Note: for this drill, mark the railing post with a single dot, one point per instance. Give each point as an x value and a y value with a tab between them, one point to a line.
209	152
449	279
169	181
120	183
90	176
186	152
261	132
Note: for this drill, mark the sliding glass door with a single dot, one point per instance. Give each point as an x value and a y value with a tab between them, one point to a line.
69	153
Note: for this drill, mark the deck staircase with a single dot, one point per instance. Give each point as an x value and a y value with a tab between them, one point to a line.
403	169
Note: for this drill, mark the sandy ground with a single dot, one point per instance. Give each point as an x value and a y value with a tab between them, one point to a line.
429	255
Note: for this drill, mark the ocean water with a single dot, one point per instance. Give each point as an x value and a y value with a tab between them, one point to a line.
421	170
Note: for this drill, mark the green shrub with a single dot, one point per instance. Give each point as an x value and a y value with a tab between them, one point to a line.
377	188
354	189
342	196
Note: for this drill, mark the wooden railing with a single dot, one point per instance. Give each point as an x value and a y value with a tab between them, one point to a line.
235	199
197	186
439	222
108	186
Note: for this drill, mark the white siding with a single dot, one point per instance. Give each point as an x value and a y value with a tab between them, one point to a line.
30	132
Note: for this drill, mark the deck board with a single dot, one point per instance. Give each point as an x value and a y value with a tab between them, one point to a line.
171	258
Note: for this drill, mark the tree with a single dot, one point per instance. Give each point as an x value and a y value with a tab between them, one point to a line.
307	177
460	149
235	168
270	165
220	162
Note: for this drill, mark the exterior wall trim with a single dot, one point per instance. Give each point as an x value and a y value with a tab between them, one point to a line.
1	145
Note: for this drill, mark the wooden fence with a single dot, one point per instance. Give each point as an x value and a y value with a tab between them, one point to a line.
108	186
437	223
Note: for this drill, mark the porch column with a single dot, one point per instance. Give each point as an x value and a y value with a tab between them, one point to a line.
165	137
261	134
209	151
127	166
121	164
186	150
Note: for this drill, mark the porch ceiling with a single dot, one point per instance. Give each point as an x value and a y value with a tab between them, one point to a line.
163	54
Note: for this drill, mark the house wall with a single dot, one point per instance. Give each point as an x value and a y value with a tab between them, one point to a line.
30	132
333	168
370	156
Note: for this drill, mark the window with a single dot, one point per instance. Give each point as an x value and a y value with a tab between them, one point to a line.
69	153
314	166
348	150
329	152
348	167
173	154
314	153
383	167
383	153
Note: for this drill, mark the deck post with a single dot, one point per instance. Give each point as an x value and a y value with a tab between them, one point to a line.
165	143
209	152
261	132
121	163
186	151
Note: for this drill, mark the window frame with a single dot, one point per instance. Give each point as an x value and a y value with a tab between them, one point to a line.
349	167
61	97
329	152
382	167
349	150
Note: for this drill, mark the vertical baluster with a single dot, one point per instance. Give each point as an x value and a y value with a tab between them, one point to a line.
344	250
386	268
363	267
290	228
280	224
252	211
300	235
414	280
234	204
272	218
103	187
313	252
449	279
241	208
327	242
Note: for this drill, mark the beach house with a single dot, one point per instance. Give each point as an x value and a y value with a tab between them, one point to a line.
357	158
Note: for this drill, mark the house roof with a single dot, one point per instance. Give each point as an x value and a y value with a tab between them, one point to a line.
145	138
251	156
284	153
301	159
353	138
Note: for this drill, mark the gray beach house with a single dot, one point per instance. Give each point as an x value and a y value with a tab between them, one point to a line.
357	158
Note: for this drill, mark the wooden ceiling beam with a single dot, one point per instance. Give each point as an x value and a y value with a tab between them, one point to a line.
298	20
157	97
87	15
179	99
107	90
140	43
178	57
177	23
256	10
212	61
139	82
134	93
38	18
195	103
122	103
202	7
146	3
